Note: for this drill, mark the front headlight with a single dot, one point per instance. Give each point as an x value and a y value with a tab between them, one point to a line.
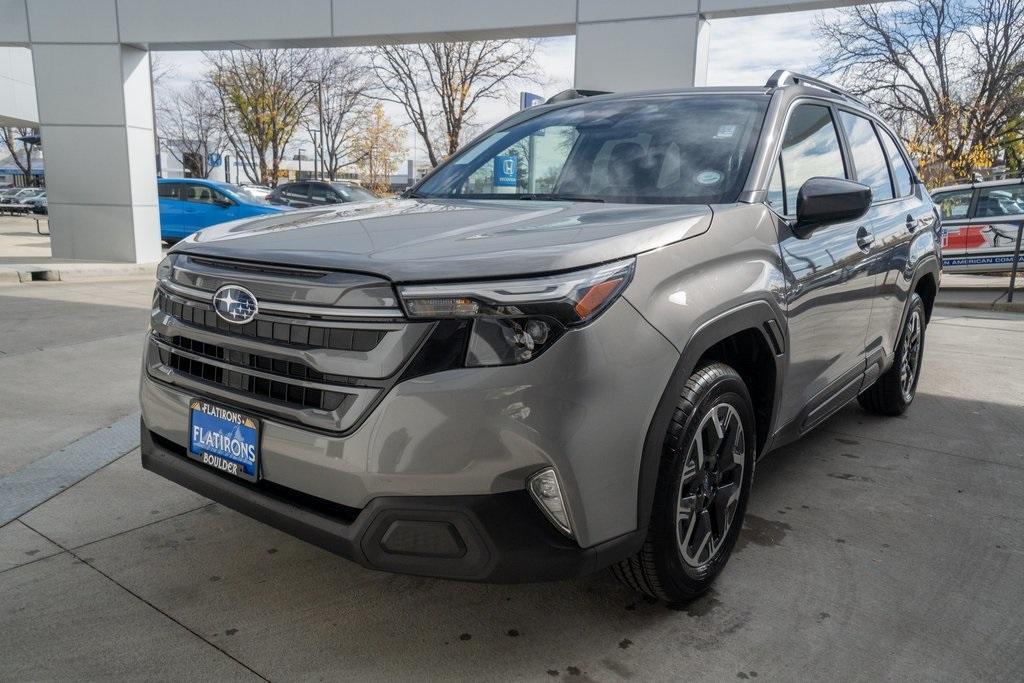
165	268
514	321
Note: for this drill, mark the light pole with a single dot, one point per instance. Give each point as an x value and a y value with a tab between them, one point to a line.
314	133
318	142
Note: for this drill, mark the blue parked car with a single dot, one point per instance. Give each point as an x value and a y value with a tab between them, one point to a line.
190	204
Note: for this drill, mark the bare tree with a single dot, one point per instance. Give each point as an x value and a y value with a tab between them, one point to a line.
11	137
190	124
263	96
337	105
439	84
948	73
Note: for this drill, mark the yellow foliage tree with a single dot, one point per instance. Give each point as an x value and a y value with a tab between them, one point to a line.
381	147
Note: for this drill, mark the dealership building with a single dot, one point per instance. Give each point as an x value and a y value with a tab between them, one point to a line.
85	79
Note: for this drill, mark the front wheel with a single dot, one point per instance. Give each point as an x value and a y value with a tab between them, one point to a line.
894	391
702	489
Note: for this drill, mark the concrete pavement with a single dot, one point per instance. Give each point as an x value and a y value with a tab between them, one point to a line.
873	549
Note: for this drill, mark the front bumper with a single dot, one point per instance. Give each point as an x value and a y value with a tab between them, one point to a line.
582	407
500	537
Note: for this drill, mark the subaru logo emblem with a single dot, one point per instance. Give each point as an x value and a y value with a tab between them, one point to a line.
235	304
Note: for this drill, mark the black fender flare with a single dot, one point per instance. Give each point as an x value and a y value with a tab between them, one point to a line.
928	265
759	315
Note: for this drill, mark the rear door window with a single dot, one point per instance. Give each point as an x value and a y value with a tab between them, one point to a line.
296	191
868	157
901	174
321	194
169	190
955	204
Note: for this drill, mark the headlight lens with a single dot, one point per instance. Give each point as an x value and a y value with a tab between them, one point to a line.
516	320
163	270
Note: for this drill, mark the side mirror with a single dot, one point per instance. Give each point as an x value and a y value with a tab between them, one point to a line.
829	200
223	203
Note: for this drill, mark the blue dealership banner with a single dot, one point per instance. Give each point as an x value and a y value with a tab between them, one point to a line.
506	171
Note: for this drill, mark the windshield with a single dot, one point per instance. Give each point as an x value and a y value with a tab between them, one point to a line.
682	149
352	193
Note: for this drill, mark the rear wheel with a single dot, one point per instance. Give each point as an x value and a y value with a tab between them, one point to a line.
894	391
702	489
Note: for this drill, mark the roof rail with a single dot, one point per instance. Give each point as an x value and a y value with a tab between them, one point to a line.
783	77
572	94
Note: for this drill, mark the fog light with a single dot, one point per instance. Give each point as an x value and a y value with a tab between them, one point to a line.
546	491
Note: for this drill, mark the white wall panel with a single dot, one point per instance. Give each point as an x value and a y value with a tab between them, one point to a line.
73	21
642	54
79	84
13	22
230	21
417	17
604	10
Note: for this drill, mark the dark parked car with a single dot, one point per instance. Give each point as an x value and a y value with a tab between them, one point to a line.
319	193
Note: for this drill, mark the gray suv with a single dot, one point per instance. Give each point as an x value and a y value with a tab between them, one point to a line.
565	349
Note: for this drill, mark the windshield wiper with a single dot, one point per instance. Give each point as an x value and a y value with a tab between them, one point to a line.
559	198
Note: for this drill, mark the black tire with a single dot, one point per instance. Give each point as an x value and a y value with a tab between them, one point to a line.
892	393
659	568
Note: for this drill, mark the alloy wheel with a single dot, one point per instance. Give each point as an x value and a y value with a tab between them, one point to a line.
910	356
709	490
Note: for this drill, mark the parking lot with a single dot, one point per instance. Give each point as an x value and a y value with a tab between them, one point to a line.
874	549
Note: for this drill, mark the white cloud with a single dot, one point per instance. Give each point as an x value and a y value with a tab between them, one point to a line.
747	50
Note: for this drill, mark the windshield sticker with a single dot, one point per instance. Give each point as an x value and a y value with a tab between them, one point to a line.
725	131
709	177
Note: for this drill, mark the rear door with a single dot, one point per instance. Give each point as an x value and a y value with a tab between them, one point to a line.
830	284
895	214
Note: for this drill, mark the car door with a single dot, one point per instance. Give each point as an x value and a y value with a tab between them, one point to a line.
830	283
898	211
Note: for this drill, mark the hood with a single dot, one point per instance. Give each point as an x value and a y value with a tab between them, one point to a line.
415	240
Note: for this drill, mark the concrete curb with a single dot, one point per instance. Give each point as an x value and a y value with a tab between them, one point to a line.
74	272
1000	307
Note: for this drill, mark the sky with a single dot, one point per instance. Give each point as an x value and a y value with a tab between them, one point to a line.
743	51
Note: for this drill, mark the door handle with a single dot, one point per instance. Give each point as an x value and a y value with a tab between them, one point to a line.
865	238
912	223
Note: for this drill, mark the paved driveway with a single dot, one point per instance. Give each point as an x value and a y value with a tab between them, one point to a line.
874	549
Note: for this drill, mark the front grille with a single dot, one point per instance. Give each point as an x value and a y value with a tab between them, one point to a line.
294	334
240	382
287	369
325	348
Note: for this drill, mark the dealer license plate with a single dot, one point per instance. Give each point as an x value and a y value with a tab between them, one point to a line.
224	439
